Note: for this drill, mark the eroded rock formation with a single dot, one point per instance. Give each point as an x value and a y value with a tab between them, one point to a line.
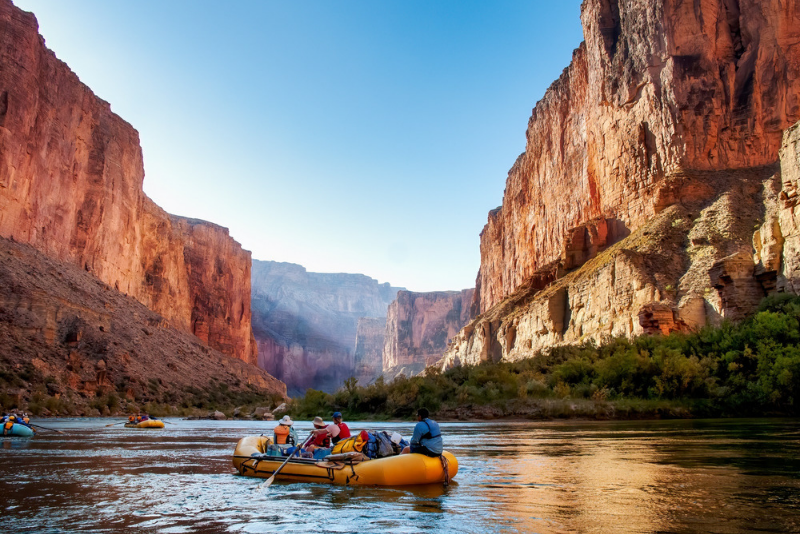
71	177
657	88
419	326
73	339
648	165
305	323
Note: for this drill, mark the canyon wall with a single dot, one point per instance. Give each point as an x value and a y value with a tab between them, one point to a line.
368	356
75	341
658	88
71	176
305	324
649	164
418	328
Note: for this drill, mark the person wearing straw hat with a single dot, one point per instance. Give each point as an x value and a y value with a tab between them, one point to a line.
284	433
322	438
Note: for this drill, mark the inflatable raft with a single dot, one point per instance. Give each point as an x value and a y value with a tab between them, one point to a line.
402	470
19	430
150	423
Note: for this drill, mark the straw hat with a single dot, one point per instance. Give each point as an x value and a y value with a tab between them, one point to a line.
286	421
318	421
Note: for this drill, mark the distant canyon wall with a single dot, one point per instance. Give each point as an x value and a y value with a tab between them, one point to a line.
658	188
71	177
306	324
419	327
368	356
658	88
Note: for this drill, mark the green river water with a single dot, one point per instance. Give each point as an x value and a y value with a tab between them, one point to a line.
715	476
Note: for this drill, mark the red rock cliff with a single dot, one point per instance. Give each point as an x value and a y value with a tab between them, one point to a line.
419	326
658	88
71	177
649	164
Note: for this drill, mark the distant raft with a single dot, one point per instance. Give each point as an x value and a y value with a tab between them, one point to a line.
150	423
17	429
401	470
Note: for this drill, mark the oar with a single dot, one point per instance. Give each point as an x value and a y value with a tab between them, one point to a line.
112	424
286	461
46	428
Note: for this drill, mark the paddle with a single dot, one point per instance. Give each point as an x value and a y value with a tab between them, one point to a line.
286	461
46	428
112	424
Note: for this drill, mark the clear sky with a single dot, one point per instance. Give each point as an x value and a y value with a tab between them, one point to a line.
358	136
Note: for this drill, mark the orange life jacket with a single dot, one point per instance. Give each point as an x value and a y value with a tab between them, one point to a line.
281	434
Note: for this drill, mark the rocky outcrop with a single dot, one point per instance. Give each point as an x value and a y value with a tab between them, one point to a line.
305	323
657	90
368	357
79	343
691	265
419	326
649	164
71	177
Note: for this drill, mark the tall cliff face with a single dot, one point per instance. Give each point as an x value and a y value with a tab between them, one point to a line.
368	356
71	177
305	324
419	326
649	163
657	89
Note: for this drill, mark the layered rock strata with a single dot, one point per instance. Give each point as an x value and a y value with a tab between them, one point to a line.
74	339
419	326
648	165
659	88
306	324
71	177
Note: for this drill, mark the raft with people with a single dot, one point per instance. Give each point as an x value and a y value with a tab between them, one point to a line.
16	425
350	468
143	422
331	454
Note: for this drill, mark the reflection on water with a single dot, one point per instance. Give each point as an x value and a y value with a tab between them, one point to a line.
673	476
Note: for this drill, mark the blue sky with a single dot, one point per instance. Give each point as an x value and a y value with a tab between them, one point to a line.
347	136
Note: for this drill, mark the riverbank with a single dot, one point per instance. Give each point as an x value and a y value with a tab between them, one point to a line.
746	369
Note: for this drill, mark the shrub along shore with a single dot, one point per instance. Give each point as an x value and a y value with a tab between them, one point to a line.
745	369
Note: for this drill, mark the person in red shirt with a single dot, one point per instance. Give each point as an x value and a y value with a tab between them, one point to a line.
343	429
321	437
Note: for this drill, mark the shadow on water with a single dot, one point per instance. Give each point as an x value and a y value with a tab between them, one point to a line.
599	477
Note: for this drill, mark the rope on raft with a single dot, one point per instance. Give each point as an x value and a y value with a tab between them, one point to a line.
446	467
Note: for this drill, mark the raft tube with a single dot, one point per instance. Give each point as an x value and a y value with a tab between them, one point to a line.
19	430
401	470
150	423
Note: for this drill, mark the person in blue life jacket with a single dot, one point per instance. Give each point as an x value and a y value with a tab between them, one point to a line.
427	438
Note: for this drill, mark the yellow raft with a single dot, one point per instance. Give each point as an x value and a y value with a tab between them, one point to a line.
150	423
402	470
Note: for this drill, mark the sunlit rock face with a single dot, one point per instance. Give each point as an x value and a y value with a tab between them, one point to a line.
368	357
71	177
658	88
306	324
649	164
419	326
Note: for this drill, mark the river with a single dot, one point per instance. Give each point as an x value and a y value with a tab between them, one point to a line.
715	476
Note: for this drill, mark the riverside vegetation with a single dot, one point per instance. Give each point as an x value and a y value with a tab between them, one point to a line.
751	368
